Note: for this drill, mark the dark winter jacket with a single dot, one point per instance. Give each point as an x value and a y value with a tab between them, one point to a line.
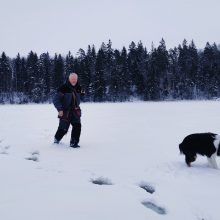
67	96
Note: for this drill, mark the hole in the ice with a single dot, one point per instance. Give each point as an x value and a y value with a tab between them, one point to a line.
147	187
101	181
154	207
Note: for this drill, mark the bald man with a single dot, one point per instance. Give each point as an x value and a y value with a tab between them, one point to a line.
67	101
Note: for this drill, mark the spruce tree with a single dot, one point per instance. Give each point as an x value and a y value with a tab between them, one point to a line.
57	72
91	68
69	65
45	69
99	82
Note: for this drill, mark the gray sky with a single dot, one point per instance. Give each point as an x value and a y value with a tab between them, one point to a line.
63	25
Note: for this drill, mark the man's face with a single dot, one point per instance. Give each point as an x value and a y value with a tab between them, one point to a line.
73	80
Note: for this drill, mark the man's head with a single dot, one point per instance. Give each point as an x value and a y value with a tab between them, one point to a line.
73	78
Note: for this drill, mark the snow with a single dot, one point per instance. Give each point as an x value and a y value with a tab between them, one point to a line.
126	148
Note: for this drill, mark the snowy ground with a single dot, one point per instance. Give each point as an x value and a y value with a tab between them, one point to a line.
124	146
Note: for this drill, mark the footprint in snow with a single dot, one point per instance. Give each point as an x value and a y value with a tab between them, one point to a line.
36	152
34	156
4	149
154	207
147	187
101	181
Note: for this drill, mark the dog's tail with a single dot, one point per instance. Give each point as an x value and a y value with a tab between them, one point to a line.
181	148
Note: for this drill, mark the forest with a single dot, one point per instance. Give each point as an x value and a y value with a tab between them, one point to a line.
115	75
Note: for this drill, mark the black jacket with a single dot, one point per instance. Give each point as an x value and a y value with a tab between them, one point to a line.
67	96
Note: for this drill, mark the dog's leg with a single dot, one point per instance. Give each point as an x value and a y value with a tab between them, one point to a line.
212	161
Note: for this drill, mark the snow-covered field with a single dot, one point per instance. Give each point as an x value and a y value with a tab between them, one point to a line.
124	147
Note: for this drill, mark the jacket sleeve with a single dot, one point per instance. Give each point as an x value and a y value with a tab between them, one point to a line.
57	101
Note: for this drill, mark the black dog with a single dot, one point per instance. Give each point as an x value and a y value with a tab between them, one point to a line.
205	144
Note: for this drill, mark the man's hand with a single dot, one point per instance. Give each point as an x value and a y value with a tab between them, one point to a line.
82	92
60	114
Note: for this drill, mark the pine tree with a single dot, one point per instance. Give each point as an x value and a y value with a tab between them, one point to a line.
24	81
18	77
91	68
6	78
5	73
114	83
85	72
120	87
124	77
153	80
193	64
45	69
142	66
109	75
57	72
174	73
81	60
209	71
33	83
69	65
134	72
162	68
99	82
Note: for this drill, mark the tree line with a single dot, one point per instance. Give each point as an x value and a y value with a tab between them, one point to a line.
107	74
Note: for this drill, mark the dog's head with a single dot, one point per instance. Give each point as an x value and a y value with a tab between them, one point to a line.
189	158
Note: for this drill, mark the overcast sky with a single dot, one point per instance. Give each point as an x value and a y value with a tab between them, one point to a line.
63	25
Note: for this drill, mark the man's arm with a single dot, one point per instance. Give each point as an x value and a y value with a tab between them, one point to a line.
57	100
79	89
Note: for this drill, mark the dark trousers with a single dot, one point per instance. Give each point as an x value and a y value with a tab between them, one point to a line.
65	121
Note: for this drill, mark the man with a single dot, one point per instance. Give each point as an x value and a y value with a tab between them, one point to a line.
67	101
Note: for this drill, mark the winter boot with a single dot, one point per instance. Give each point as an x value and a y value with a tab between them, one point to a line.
74	144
